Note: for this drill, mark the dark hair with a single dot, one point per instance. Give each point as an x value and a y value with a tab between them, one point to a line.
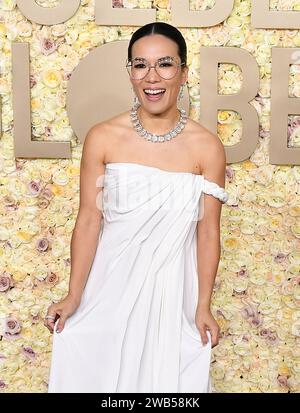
164	29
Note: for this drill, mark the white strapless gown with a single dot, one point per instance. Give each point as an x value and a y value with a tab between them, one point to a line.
134	330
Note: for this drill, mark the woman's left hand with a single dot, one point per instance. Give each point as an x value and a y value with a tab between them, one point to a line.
204	321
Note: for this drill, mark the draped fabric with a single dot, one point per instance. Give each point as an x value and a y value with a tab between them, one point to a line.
134	330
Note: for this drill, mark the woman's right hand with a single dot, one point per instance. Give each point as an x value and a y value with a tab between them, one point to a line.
61	310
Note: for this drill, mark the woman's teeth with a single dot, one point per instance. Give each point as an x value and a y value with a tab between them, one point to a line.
154	91
154	94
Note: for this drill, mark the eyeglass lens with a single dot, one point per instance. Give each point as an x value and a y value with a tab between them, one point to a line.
165	68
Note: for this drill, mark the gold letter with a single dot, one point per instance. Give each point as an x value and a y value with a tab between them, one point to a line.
105	14
281	106
264	18
0	116
211	101
182	15
48	15
24	146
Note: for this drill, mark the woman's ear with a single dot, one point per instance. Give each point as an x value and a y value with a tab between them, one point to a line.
185	74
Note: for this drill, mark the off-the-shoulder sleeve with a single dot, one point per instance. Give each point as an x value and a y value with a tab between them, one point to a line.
214	189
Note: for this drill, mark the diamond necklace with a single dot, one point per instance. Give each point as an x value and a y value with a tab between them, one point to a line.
151	136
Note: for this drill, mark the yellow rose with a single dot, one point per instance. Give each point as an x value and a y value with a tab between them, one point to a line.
258	275
217	371
236	38
296	6
294	258
24	28
19	275
231	243
296	329
59	29
51	78
295	229
60	177
296	367
8	5
234	21
27	333
130	4
244	8
163	4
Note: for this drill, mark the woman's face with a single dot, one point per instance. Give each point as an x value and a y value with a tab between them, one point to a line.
152	48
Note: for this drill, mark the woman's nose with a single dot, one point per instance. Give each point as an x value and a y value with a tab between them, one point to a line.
152	74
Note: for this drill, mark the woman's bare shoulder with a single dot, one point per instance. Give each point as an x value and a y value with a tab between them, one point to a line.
202	135
111	127
196	128
117	121
102	137
206	144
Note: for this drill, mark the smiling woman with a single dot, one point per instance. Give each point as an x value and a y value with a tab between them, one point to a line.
138	305
163	85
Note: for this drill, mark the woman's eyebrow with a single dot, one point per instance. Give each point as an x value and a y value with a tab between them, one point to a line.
160	58
165	57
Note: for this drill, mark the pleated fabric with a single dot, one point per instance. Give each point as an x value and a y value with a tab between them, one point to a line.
134	330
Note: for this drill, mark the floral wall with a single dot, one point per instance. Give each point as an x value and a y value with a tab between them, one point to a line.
257	291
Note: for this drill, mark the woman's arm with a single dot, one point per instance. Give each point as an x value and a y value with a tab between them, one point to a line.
88	223
208	234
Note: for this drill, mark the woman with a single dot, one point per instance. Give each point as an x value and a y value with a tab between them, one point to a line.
137	315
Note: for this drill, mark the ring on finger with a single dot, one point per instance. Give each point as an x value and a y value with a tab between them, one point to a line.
50	317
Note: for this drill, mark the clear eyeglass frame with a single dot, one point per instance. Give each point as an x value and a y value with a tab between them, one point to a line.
129	63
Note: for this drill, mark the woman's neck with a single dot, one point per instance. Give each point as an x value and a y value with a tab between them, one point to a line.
160	123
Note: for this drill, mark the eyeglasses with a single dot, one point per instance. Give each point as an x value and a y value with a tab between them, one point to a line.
166	68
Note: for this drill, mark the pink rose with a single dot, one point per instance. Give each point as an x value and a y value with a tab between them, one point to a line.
264	332
2	384
243	272
36	318
32	81
5	281
12	327
249	311
29	352
272	338
43	203
48	46
229	173
34	187
282	380
10	203
42	244
51	279
280	258
256	321
47	193
117	3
